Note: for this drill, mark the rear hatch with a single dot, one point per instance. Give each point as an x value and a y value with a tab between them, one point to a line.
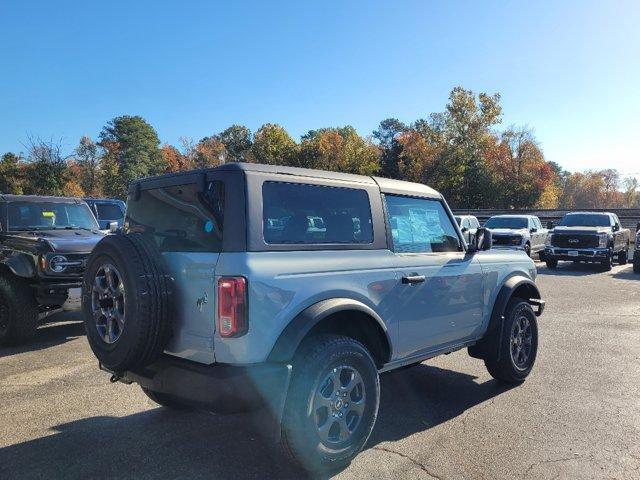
185	221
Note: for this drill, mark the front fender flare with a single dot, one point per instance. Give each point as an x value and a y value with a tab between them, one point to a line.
19	264
516	285
293	334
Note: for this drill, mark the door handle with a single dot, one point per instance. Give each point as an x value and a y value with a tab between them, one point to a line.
411	279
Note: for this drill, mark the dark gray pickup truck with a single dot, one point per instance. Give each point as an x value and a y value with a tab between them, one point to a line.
593	237
44	244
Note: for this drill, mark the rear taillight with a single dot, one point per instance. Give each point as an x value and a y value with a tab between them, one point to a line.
232	306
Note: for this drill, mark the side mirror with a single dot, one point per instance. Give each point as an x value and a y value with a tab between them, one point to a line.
464	229
482	240
533	230
113	227
549	225
615	228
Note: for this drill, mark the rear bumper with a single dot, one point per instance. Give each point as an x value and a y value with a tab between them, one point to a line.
215	387
582	254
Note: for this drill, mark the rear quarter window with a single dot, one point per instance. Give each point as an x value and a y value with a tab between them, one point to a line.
180	218
311	214
108	211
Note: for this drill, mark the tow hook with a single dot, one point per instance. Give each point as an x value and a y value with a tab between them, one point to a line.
536	302
115	378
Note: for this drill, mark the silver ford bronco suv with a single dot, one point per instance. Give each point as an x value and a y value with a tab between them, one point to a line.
251	285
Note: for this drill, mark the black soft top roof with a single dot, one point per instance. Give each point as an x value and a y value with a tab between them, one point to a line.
385	184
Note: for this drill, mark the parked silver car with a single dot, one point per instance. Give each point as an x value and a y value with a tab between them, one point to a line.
524	232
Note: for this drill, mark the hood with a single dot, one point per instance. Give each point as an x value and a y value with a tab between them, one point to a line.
66	241
581	230
508	231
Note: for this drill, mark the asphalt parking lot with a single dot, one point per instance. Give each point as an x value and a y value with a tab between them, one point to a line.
577	416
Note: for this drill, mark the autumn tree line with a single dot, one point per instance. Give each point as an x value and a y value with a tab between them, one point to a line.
461	152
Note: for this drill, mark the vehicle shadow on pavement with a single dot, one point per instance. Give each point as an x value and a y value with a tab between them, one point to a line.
160	443
48	335
570	269
627	274
424	396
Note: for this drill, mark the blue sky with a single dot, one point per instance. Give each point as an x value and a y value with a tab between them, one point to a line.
569	70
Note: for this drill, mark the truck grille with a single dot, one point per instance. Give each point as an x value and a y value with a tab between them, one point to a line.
502	239
575	241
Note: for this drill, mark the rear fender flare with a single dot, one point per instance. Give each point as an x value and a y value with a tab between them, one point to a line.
293	334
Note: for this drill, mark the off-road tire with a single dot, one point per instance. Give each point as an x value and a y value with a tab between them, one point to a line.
552	263
314	360
623	256
18	311
607	264
166	400
147	301
499	362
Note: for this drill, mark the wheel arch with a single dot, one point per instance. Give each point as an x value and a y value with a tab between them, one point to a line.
342	316
19	264
516	286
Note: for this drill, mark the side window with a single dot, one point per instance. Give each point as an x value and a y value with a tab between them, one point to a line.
420	226
475	223
180	218
295	213
108	211
465	223
537	223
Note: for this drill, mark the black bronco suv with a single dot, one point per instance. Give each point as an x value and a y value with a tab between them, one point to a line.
593	237
44	244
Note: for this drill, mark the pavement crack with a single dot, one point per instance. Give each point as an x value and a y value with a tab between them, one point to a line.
545	462
412	460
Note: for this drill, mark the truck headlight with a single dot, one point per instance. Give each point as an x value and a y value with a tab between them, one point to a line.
604	240
58	263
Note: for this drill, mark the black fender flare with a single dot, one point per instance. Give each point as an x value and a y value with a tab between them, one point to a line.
516	285
19	264
293	334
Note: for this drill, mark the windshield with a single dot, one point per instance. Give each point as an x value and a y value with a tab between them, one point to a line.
514	223
49	216
585	220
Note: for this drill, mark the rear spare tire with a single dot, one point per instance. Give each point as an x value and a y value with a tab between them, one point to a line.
126	302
